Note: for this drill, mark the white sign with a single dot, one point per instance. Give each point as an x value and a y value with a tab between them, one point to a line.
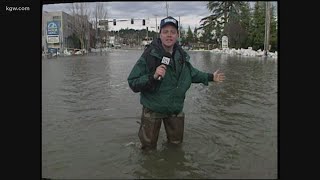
165	60
224	42
111	39
52	39
103	22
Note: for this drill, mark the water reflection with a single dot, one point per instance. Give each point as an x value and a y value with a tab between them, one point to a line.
170	161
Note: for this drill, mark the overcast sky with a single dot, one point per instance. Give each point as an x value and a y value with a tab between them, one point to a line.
190	12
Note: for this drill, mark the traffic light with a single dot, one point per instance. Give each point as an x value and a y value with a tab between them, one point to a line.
143	22
132	21
114	22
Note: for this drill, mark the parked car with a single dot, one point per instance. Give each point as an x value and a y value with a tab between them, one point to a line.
117	46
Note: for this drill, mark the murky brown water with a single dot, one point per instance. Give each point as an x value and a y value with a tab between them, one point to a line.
89	116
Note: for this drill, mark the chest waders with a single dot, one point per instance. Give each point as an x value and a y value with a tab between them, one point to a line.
150	127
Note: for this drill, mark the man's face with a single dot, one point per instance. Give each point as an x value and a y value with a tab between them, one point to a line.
168	35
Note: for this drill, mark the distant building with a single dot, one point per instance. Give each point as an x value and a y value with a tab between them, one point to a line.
44	31
57	31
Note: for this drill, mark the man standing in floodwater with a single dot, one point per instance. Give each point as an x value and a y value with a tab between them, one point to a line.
162	75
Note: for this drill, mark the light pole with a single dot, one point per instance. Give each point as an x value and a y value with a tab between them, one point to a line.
167	7
267	29
156	24
179	32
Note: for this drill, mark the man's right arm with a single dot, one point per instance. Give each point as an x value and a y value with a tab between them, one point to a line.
140	79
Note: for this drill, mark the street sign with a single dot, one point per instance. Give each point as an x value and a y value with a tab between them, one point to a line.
52	39
103	22
53	28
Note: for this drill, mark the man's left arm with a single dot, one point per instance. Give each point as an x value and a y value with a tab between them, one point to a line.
200	77
203	77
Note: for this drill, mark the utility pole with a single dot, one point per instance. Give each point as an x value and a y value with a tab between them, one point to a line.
157	27
147	30
167	7
179	29
267	29
96	27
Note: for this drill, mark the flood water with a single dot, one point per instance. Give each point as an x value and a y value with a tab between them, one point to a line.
90	129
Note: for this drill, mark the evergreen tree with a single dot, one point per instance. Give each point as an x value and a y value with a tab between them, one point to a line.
245	22
257	27
273	30
216	22
218	35
207	35
195	35
189	38
220	12
183	35
234	31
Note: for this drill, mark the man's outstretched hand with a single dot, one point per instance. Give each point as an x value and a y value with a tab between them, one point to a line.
218	76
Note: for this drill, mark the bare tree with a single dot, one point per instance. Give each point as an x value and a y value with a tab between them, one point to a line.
81	25
100	13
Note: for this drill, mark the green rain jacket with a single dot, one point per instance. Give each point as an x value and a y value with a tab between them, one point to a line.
165	96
